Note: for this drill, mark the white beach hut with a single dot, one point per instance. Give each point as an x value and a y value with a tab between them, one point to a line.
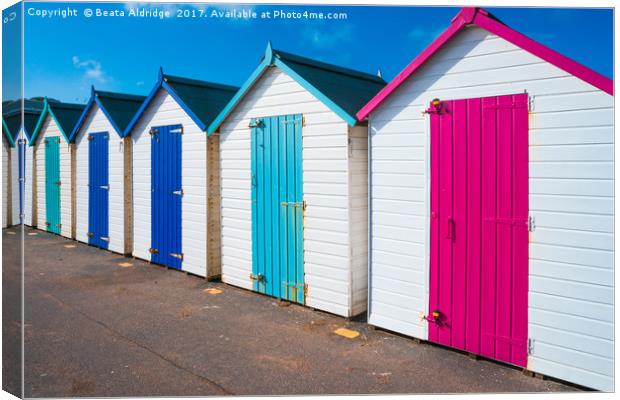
491	202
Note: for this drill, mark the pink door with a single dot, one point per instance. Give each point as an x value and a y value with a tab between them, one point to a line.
479	226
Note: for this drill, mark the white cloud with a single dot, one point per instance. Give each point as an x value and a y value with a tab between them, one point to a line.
329	38
92	68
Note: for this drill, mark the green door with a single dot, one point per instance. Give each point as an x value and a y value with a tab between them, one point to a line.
52	184
277	207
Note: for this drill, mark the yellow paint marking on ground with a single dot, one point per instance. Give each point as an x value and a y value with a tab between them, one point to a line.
125	264
348	333
69	246
212	291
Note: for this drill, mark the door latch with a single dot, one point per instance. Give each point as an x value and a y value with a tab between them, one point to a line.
257	278
531	224
451	227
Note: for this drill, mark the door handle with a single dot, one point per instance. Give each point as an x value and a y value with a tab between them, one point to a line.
451	227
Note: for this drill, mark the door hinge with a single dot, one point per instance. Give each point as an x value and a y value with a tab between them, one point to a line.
105	239
178	192
255	123
176	255
57	183
59	225
177	130
305	290
531	224
153	131
90	234
530	346
91	138
257	278
530	103
47	224
153	251
106	187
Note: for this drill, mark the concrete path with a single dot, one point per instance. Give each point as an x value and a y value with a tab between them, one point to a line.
95	328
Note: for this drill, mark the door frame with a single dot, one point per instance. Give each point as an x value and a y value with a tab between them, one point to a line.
98	242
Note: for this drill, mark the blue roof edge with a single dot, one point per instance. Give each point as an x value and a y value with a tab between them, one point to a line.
8	134
93	99
161	83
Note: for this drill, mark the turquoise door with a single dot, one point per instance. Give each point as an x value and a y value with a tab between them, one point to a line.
277	207
52	184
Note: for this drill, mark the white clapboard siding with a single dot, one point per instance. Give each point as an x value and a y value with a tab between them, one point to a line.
15	184
28	185
163	111
570	195
6	149
97	122
51	129
334	186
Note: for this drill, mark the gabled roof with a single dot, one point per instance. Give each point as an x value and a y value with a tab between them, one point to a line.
12	114
119	109
343	90
64	114
483	19
201	100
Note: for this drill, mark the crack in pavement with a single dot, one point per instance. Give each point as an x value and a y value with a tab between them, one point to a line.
142	346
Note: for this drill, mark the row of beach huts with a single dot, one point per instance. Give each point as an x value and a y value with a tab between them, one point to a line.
468	202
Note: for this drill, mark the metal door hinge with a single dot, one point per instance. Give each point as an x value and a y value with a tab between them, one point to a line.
57	183
176	255
305	290
177	130
91	138
255	123
90	234
106	187
178	192
531	224
105	239
258	277
59	225
47	224
530	103
153	251
153	131
530	346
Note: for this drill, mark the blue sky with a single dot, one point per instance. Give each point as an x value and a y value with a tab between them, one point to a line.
63	57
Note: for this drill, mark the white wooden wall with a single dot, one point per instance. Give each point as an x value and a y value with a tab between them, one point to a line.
15	184
50	129
96	122
162	111
5	181
328	250
28	186
570	194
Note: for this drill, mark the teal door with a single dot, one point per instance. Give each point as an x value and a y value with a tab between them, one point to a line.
277	207
52	184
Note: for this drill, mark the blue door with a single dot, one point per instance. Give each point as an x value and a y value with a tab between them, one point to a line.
277	207
98	190
21	158
166	195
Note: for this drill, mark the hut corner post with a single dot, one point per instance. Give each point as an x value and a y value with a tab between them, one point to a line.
72	152
128	194
214	263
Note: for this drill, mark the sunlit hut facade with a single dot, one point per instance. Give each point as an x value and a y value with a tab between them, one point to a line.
53	165
491	196
175	213
103	171
21	154
294	183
